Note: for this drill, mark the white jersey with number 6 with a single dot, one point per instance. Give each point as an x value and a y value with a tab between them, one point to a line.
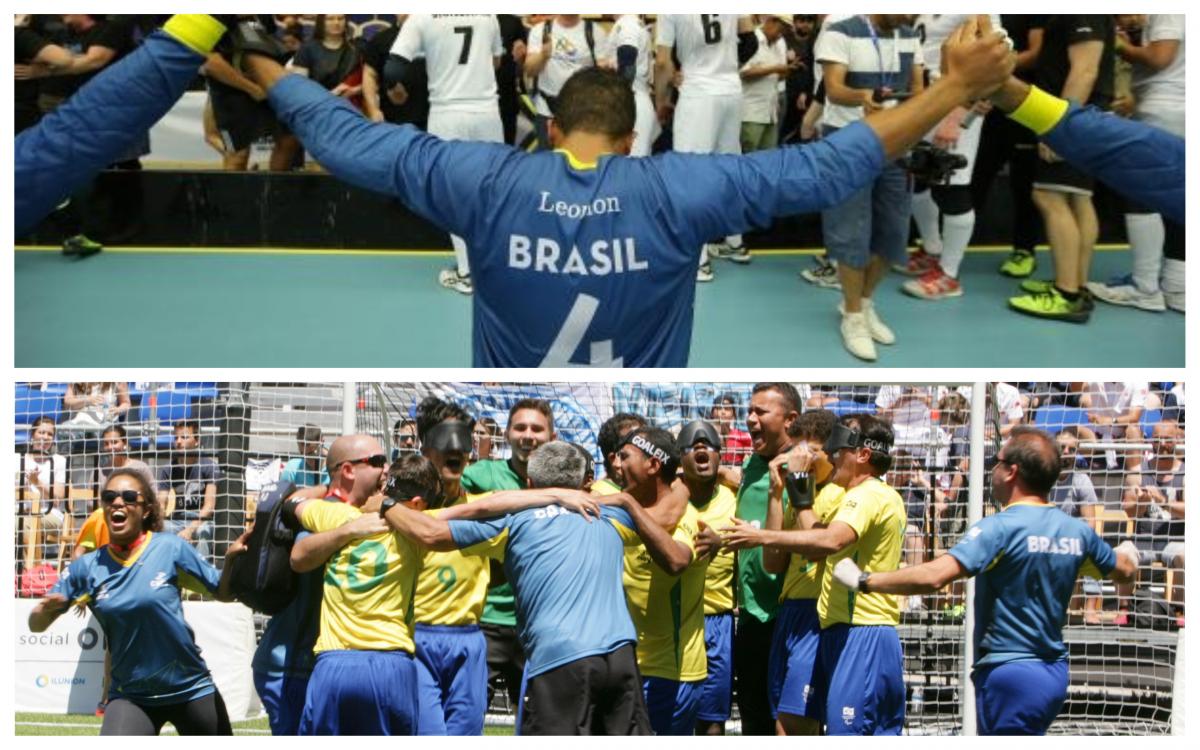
459	53
706	45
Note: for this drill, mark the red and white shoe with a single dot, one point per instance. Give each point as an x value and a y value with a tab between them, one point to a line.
919	263
934	284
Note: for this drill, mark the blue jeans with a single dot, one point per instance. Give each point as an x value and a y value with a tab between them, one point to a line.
873	221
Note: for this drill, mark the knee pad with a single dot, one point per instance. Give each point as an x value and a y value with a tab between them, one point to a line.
953	199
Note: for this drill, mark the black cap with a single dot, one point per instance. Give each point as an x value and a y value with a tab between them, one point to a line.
695	431
449	436
657	444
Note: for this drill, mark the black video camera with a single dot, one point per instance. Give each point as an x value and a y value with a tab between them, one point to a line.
932	165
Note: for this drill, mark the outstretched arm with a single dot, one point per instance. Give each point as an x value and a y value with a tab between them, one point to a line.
747	191
429	175
65	150
918	579
514	501
47	611
1141	162
672	556
314	550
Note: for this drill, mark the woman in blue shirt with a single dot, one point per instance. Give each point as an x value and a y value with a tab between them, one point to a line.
132	586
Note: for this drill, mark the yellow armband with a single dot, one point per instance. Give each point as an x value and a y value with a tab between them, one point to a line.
1040	111
195	31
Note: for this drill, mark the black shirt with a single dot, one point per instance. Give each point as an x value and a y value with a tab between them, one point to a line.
115	34
511	32
1018	26
28	44
328	67
416	110
1054	64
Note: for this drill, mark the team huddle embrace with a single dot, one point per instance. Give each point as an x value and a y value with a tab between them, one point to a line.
627	604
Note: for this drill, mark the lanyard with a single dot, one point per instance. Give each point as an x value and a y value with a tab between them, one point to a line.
885	77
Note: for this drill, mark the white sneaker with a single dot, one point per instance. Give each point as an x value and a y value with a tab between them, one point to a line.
1174	300
822	274
705	272
856	336
739	254
1128	295
879	331
451	279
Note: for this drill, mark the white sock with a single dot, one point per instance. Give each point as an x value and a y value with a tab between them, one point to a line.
957	229
734	240
1146	237
703	254
925	213
1174	276
460	254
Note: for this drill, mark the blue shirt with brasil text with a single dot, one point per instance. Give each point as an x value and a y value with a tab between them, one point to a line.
578	264
566	572
1026	559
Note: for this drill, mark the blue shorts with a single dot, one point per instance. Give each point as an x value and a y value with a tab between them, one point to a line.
362	693
672	705
873	221
716	697
452	678
282	697
860	680
1020	697
793	658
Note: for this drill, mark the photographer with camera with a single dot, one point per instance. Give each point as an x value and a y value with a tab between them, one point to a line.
870	62
942	204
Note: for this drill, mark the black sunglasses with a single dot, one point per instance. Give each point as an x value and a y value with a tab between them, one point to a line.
378	461
108	497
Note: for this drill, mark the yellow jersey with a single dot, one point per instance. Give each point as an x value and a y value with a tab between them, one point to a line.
94	533
451	587
368	586
668	611
605	487
876	513
718	581
803	579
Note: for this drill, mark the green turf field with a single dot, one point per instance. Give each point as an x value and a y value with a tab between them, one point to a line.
196	307
58	725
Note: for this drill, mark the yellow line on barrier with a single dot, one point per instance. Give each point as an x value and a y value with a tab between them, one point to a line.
386	252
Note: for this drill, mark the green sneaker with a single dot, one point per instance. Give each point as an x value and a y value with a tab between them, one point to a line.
81	246
1019	265
1051	305
1036	286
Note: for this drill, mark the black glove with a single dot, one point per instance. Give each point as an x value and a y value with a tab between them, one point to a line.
800	488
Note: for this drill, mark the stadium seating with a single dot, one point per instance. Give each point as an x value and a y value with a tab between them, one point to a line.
1053	418
157	413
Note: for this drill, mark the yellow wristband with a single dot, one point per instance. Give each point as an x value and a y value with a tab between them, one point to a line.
195	30
1040	111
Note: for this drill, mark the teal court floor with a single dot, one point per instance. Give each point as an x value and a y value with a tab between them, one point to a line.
196	307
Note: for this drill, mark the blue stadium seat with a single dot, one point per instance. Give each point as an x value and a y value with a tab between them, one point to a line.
171	407
1150	417
1053	417
842	408
202	389
32	403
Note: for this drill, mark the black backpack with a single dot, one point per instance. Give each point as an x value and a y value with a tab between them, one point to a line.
263	578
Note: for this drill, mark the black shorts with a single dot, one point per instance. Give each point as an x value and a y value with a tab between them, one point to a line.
595	695
202	716
241	120
1061	177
